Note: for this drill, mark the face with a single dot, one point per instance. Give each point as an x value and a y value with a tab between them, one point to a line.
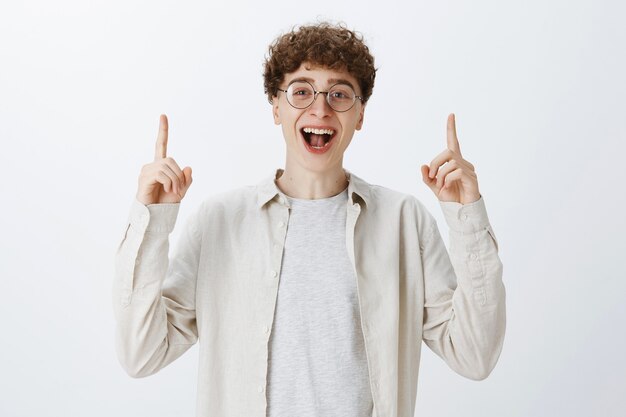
296	123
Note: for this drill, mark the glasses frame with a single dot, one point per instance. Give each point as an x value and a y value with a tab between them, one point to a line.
315	93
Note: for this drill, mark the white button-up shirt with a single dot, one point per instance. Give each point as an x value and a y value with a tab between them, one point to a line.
220	287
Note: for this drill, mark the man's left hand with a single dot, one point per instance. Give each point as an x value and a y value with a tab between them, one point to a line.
449	176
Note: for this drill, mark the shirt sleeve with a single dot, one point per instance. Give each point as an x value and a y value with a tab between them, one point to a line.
153	296
465	316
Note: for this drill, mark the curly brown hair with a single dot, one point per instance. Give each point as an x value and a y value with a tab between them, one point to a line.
323	44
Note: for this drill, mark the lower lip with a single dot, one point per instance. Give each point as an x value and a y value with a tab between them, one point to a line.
318	151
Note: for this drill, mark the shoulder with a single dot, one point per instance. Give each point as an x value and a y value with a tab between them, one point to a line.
385	198
410	203
388	204
236	199
382	195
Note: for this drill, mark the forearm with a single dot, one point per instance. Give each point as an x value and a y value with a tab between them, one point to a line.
146	341
467	318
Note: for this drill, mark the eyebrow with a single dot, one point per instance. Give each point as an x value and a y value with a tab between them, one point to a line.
331	81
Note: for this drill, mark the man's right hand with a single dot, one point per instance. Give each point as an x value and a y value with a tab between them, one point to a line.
162	181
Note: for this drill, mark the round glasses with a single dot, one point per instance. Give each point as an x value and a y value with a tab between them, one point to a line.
340	97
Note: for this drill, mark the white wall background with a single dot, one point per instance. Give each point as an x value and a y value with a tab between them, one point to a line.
538	88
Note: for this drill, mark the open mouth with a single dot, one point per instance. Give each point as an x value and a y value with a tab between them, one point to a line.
317	138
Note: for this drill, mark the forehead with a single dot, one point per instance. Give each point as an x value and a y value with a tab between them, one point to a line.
321	77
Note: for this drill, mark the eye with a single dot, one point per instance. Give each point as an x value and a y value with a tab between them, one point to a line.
341	92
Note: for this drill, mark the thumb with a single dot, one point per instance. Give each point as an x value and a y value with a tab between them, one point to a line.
187	174
429	181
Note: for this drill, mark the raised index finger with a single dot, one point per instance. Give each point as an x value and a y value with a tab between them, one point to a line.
160	150
453	141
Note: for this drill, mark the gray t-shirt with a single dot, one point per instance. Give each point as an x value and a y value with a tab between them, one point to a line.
317	361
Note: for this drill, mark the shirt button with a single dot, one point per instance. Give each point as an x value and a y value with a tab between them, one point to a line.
274	273
260	389
473	256
267	329
465	216
276	246
281	200
281	224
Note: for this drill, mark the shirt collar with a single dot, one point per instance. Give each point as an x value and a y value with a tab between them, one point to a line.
267	190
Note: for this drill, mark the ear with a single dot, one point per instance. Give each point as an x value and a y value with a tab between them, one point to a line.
359	123
275	112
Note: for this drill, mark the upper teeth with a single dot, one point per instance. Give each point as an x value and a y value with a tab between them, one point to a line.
319	131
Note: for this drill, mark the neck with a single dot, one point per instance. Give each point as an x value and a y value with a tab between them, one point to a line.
311	185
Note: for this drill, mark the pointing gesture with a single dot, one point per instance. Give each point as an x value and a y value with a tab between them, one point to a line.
160	150
162	181
449	176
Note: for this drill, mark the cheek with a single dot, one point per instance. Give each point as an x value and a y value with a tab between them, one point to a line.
350	123
289	126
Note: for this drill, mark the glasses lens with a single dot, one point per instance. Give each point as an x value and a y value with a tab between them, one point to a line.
341	97
300	94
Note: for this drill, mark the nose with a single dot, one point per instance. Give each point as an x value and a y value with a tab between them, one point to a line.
320	107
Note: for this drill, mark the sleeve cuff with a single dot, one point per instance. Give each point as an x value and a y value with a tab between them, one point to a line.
465	218
156	218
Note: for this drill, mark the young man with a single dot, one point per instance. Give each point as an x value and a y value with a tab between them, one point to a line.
311	292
